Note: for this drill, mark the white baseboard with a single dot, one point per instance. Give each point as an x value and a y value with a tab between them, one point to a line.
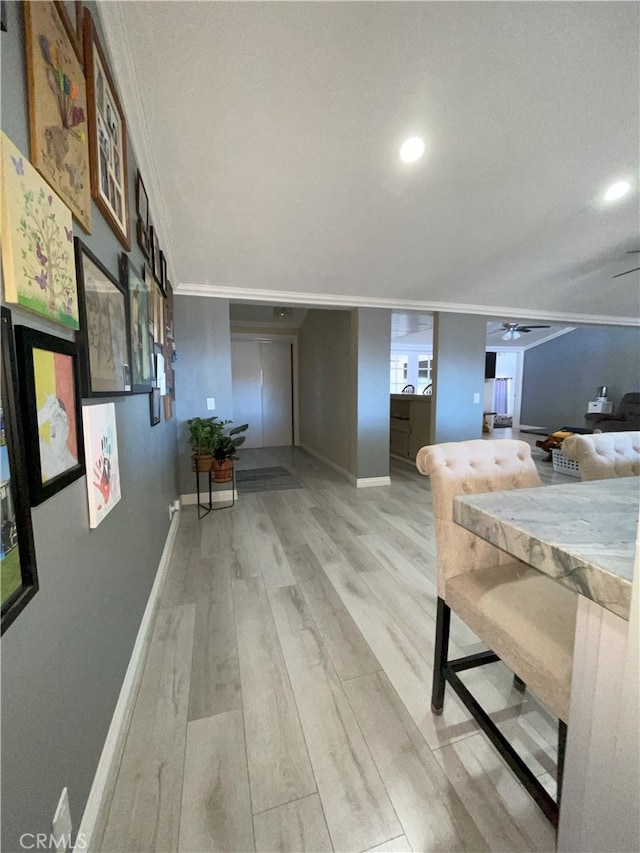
365	482
216	497
94	817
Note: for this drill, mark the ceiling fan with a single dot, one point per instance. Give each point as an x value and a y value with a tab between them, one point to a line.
635	269
512	331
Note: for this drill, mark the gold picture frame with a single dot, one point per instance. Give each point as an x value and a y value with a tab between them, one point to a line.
58	107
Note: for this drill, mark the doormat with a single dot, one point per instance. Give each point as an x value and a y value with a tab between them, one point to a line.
276	479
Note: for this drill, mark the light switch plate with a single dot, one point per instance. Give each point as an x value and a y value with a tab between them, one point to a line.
476	398
211	403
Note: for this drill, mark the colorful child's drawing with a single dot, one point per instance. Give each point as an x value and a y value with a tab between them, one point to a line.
37	242
56	406
101	451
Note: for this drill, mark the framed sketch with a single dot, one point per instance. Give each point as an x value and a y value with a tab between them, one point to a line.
157	308
107	137
103	337
139	304
71	13
50	397
37	242
142	210
101	453
18	574
155	401
58	106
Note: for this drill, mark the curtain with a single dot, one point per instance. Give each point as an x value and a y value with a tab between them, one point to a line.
500	396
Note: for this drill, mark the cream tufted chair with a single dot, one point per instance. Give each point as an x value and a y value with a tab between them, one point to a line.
605	455
523	616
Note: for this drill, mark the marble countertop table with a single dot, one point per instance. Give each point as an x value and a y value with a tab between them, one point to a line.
582	534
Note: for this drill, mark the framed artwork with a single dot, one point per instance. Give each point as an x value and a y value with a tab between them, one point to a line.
163	273
37	242
155	253
157	311
154	406
50	396
168	407
139	304
142	210
107	137
101	453
161	376
168	313
103	338
18	574
72	17
58	106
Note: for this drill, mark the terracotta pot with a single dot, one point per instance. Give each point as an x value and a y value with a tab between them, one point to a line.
201	462
222	471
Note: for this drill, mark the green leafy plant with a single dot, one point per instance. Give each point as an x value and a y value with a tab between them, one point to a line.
226	444
201	435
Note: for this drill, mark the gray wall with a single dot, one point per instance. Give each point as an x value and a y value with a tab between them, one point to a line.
371	345
64	658
459	349
561	376
203	369
325	385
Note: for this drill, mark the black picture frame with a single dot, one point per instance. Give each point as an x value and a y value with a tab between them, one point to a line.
154	406
17	549
50	393
140	304
155	253
143	219
103	339
163	273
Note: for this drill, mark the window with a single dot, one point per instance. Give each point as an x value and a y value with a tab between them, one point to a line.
424	372
399	372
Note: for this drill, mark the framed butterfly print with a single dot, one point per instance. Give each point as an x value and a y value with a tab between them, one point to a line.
107	137
103	337
17	551
58	106
37	242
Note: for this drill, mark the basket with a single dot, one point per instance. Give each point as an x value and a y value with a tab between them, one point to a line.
563	465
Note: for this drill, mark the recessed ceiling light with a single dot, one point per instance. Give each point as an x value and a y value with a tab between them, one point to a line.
617	190
412	150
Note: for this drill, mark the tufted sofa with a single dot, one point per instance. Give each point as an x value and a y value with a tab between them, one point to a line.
626	416
605	455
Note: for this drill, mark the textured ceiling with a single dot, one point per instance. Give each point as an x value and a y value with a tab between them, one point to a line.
268	135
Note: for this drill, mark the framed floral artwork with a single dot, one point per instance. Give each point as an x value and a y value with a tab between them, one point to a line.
37	242
103	338
155	402
107	137
139	306
50	397
101	454
58	106
18	573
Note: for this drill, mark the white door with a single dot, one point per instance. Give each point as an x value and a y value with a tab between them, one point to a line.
261	376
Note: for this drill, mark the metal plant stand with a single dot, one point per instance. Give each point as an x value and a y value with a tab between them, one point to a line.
204	508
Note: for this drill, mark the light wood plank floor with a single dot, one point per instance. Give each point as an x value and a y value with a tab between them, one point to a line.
285	701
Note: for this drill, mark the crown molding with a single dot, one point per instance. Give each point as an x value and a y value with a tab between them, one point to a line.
338	300
116	36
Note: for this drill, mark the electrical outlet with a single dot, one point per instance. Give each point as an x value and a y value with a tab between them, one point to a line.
476	398
211	403
62	822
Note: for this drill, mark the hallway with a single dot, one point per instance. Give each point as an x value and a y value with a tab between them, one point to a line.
284	704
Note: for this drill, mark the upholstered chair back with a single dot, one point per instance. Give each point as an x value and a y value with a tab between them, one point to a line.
605	455
466	468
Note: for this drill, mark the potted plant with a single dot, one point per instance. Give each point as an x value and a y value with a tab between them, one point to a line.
201	437
224	450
